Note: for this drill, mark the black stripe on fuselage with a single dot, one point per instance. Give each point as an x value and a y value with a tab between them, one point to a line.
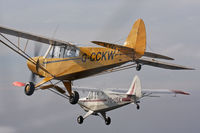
61	60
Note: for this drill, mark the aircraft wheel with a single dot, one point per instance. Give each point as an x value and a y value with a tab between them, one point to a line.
138	107
74	98
108	121
29	88
138	67
80	119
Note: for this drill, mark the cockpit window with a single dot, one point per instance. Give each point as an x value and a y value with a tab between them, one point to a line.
90	95
95	95
63	51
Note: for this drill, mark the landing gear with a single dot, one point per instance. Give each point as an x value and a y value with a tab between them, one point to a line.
29	88
138	106
73	99
108	121
138	67
80	119
73	95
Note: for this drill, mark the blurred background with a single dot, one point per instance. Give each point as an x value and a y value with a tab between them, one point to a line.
172	29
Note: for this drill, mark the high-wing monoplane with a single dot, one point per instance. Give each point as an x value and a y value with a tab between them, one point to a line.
65	62
99	101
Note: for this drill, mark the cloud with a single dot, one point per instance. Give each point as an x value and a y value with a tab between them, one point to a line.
7	129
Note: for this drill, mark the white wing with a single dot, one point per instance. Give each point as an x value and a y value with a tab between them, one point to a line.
155	92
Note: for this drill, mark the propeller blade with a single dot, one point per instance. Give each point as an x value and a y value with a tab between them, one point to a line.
36	52
18	84
37	49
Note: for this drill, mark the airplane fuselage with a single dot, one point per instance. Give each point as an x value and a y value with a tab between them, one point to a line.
104	101
89	61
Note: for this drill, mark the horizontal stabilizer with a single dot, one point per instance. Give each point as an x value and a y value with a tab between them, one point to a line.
159	56
155	63
121	48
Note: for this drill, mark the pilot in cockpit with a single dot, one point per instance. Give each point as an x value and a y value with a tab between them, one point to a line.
63	52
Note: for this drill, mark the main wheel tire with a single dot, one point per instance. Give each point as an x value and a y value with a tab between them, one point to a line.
108	121
74	98
80	119
29	88
138	67
138	107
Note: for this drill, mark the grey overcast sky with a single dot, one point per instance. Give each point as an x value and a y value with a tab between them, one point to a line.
172	29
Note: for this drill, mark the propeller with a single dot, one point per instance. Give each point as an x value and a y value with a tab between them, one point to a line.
37	49
36	52
18	84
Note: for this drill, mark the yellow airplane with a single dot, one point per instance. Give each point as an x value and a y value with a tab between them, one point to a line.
66	62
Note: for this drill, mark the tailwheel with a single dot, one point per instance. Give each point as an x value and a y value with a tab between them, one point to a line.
73	99
29	88
138	67
80	119
138	106
108	121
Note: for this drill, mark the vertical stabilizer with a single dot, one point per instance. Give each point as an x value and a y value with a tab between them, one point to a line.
135	88
137	38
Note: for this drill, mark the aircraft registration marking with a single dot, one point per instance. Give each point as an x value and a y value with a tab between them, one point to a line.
99	56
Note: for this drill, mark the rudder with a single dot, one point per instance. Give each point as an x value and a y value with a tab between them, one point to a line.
137	38
135	88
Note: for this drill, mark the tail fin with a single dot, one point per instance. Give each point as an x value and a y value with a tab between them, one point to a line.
137	38
135	88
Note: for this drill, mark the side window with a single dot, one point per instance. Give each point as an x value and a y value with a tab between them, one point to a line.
63	51
101	94
71	52
95	95
54	52
57	52
90	95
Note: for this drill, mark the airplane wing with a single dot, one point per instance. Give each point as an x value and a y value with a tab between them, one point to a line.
156	92
33	37
150	92
156	63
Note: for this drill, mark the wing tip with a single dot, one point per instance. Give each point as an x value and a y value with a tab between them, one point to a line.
180	92
187	68
191	69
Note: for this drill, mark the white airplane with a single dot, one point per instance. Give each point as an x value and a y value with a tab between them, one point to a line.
98	102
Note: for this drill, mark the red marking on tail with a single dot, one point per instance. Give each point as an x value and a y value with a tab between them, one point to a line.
132	90
18	84
180	92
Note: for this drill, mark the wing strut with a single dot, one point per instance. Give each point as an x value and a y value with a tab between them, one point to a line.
23	54
16	48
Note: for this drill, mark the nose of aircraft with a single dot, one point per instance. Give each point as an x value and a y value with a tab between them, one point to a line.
31	66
